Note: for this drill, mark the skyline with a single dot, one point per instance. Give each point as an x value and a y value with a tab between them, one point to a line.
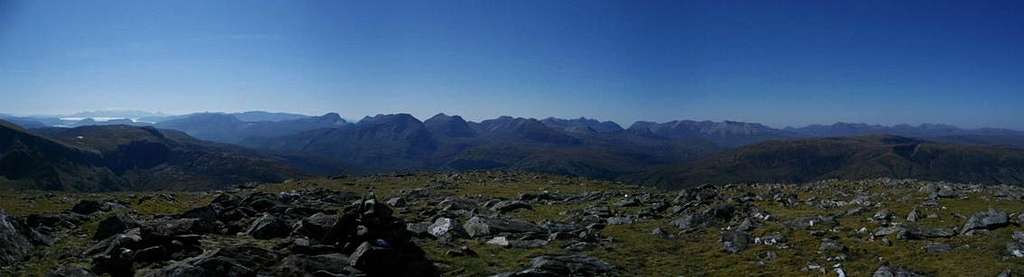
793	63
356	118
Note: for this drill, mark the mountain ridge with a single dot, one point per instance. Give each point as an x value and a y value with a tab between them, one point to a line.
121	158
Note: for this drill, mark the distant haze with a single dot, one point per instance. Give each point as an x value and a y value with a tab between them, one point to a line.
788	63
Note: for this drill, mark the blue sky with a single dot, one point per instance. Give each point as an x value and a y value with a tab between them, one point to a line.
776	62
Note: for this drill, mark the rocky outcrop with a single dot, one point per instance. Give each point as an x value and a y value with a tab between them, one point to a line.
13	245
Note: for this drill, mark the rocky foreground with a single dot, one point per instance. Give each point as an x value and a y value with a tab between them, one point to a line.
519	224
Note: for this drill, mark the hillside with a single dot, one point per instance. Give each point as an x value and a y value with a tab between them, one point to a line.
52	165
118	157
848	158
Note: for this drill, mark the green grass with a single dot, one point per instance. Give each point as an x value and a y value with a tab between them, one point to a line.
632	248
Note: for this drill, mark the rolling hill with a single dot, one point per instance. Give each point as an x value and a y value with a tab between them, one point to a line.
848	158
119	157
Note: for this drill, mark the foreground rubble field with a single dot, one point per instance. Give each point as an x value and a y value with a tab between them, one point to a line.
519	224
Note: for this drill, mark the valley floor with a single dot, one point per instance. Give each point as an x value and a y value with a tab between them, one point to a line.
488	223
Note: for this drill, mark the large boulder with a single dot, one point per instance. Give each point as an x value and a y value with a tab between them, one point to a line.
87	207
915	232
986	220
114	224
483	226
316	226
268	227
372	258
114	255
13	245
445	226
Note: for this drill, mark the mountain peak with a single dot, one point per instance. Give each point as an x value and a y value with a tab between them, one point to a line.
389	118
451	126
331	117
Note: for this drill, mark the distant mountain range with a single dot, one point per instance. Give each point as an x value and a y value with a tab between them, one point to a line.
673	153
229	128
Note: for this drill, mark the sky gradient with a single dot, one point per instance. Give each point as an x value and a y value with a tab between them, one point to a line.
784	63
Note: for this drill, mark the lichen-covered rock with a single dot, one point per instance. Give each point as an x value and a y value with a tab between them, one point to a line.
445	226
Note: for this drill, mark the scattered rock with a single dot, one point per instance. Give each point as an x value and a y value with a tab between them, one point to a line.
462	251
575	265
935	248
914	232
499	241
619	220
482	226
230	261
987	220
814	222
87	207
70	271
831	246
946	191
1015	249
912	216
319	265
396	202
883	215
886	271
510	205
688	222
528	244
628	202
771	240
735	241
658	232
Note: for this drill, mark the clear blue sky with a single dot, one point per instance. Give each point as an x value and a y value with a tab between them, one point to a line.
780	63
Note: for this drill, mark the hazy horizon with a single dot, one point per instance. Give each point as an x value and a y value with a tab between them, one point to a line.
356	118
791	63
